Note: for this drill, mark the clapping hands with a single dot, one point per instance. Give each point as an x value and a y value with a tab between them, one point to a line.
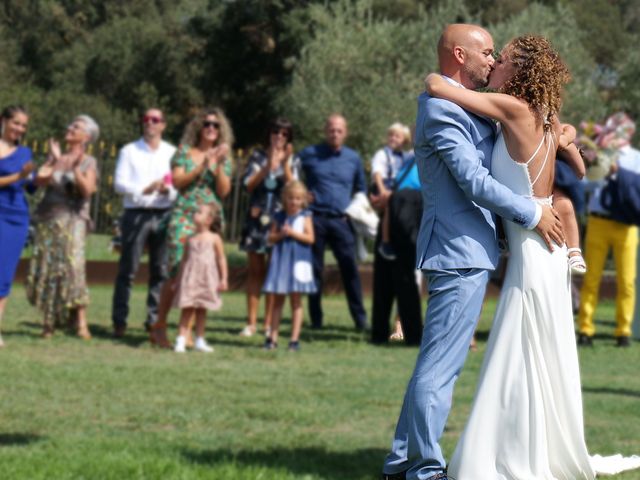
26	170
54	148
286	230
214	156
278	155
157	186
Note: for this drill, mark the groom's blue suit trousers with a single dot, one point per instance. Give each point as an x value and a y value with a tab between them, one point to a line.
455	302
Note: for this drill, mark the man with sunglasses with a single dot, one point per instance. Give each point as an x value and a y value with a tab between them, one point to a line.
333	174
143	177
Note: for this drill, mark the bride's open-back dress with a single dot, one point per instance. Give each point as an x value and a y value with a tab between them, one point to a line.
526	420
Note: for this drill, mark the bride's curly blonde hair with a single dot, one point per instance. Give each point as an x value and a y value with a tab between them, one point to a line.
539	75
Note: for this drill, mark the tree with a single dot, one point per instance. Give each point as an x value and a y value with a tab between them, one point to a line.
583	99
368	69
371	70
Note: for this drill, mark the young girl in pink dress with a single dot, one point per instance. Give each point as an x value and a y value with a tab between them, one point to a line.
202	274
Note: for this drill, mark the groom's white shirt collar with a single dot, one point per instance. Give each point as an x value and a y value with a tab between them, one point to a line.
452	81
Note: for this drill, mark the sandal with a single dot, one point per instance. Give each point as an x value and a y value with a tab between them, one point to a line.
576	262
84	333
158	336
396	337
398	334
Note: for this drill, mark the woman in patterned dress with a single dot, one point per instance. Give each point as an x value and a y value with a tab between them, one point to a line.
201	171
56	283
267	172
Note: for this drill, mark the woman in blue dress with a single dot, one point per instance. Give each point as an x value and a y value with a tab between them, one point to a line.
15	171
291	265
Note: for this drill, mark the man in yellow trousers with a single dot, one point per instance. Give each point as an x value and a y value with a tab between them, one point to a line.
604	233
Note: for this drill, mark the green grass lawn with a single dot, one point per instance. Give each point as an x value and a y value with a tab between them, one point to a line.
72	409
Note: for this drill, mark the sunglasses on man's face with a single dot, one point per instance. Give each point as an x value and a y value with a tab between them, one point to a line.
152	119
210	123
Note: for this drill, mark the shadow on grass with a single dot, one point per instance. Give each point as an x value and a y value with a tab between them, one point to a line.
232	325
299	461
23	333
132	338
608	323
18	439
612	391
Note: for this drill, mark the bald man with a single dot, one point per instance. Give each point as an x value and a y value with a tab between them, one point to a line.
457	247
333	173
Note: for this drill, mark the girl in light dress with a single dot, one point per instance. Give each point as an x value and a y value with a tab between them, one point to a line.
203	273
290	268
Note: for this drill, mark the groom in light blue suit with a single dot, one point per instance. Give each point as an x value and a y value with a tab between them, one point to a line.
457	247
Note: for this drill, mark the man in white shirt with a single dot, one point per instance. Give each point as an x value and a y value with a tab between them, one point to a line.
143	177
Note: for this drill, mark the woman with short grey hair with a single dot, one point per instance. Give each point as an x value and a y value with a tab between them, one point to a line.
90	126
56	282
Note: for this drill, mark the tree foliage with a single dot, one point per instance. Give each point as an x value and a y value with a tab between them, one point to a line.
375	78
368	69
303	58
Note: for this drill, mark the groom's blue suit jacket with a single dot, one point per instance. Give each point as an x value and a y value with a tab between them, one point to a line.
453	151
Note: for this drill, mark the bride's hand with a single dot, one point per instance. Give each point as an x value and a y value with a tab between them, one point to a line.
432	82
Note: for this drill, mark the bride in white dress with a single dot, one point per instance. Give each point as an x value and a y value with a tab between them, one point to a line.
526	420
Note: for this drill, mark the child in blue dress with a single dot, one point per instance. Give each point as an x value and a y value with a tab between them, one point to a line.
291	265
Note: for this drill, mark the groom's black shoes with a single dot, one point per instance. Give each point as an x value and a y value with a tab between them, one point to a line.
585	340
395	476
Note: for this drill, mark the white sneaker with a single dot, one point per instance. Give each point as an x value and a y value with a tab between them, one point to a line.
247	331
202	345
181	344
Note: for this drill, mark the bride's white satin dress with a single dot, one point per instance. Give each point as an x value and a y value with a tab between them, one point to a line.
526	420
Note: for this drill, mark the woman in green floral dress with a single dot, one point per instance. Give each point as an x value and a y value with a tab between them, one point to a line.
201	171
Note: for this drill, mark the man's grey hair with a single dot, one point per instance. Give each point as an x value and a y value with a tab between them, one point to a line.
90	127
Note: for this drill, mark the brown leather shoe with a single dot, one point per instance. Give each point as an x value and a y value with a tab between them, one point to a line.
119	331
